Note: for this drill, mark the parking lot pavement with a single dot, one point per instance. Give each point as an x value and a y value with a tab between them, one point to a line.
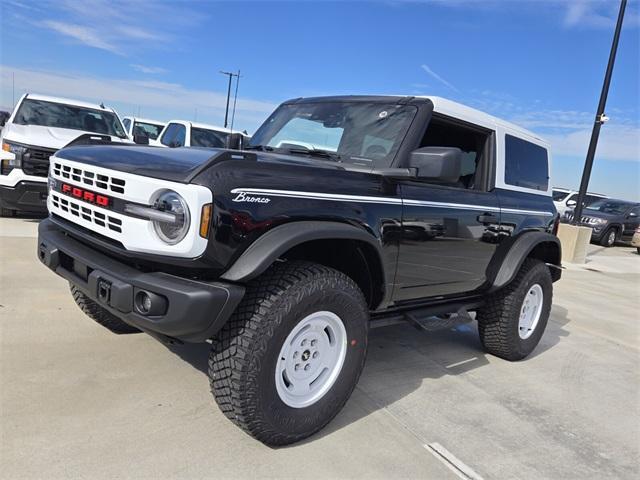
79	402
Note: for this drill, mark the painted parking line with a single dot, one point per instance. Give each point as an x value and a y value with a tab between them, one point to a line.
454	464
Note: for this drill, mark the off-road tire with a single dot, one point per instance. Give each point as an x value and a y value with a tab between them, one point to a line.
605	241
245	353
498	318
99	314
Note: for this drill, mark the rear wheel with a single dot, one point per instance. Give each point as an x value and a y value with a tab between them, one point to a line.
100	314
609	238
7	212
287	361
513	320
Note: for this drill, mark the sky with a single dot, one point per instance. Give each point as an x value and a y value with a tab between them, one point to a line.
537	63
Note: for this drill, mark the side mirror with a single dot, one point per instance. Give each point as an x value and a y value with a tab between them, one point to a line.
632	215
141	139
437	163
571	203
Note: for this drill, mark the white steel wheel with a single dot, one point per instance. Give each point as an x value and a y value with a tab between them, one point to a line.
311	359
530	311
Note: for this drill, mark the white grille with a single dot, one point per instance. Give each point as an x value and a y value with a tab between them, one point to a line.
86	212
88	177
134	233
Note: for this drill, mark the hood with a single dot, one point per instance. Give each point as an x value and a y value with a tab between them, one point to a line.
174	164
594	214
47	137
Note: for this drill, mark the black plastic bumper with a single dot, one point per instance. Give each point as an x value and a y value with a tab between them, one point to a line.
26	196
188	310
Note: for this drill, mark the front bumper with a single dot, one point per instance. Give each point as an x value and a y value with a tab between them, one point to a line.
25	196
191	310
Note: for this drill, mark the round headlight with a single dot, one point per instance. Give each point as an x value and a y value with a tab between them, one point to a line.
174	231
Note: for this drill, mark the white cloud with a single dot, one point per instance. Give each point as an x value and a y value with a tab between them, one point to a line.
616	142
122	27
147	69
438	77
167	100
85	35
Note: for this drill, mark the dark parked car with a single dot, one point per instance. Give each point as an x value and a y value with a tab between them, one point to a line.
611	220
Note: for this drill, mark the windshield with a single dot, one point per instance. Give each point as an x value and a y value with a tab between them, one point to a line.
201	137
558	196
147	129
59	115
366	134
609	206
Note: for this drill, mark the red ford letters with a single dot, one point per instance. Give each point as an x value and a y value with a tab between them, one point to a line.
86	195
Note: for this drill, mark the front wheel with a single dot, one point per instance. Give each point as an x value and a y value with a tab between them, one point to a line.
513	320
289	358
99	314
609	238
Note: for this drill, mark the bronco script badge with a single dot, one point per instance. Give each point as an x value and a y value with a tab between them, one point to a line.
243	197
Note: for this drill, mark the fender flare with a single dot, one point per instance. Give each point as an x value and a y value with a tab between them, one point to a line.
511	254
274	243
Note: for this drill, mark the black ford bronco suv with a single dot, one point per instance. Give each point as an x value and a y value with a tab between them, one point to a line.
341	211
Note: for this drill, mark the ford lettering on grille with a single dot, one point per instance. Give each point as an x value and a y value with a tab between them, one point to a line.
85	195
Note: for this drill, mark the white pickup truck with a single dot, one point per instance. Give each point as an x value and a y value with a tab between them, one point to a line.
38	127
137	127
182	133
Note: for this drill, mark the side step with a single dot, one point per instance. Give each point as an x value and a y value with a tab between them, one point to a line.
428	322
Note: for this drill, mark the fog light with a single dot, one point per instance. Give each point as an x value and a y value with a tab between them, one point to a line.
150	304
144	302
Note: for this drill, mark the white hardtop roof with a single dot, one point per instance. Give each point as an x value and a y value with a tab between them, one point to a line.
68	101
463	112
145	120
206	126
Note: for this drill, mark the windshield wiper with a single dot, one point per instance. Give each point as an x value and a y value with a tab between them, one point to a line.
314	152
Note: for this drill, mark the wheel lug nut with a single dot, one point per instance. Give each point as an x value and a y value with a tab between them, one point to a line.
313	343
304	342
295	354
297	367
307	367
315	354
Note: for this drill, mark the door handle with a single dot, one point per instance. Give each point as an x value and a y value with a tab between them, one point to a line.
487	218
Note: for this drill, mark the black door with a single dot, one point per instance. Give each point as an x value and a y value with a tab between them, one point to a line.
447	241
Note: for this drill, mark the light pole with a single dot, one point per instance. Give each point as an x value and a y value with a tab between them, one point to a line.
600	119
226	111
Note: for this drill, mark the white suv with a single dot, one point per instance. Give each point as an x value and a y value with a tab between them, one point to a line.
182	133
566	199
37	128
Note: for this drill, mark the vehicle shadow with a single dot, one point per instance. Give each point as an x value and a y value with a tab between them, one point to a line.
402	357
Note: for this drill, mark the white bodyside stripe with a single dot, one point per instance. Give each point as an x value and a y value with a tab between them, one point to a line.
383	200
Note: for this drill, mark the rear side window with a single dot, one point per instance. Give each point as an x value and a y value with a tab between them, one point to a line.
174	135
526	164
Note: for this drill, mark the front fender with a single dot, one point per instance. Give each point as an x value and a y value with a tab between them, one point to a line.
277	241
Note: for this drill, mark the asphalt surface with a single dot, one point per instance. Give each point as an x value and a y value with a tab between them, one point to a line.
79	402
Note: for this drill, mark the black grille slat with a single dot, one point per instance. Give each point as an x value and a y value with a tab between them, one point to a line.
36	161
